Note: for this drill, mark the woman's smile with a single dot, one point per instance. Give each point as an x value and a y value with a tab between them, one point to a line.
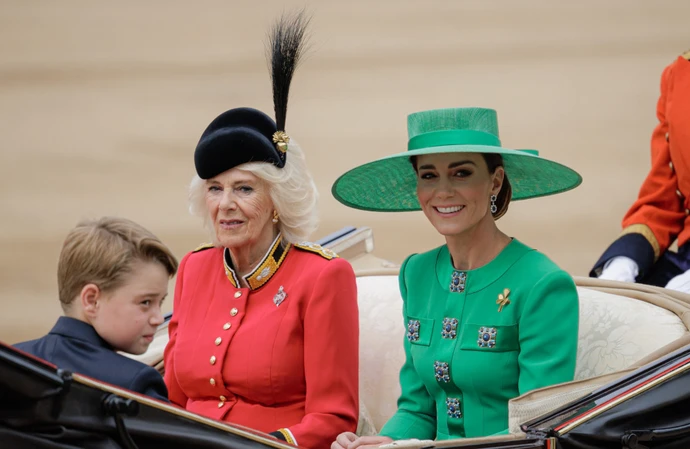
448	211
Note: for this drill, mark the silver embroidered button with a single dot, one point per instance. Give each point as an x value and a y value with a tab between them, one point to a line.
413	330
453	407
442	371
487	337
265	272
450	328
457	281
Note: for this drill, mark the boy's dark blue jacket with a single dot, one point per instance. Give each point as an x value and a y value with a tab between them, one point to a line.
75	346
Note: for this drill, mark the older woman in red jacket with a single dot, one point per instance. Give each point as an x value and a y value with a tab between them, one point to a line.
264	330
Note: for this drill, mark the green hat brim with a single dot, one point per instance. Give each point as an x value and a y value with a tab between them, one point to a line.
390	184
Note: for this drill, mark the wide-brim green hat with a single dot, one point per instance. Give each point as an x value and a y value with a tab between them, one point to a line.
389	184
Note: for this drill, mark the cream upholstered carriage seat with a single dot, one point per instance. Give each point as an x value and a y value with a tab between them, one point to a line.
616	332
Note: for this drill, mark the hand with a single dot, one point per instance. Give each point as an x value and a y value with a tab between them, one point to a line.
369	442
348	440
343	440
620	268
680	283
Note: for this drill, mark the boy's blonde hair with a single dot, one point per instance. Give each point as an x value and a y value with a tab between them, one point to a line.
103	252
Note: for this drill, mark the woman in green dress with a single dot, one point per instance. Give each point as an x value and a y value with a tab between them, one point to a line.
487	318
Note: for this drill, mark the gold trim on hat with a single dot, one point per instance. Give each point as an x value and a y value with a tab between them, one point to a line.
281	139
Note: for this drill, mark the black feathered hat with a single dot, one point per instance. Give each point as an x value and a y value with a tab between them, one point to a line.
244	135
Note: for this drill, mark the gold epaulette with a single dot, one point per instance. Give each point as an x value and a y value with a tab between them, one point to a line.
686	55
316	248
203	247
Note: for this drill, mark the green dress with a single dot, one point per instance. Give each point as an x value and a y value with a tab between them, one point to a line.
469	350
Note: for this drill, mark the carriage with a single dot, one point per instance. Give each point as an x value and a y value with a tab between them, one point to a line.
631	387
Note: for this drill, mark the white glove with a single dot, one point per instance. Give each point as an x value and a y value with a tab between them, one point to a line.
680	283
620	268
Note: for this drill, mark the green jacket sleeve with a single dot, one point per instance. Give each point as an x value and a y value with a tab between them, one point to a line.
549	324
416	414
548	333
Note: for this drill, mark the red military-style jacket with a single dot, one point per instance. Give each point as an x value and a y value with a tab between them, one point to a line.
281	355
662	210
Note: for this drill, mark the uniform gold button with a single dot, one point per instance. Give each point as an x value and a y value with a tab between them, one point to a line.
238	294
213	360
233	311
222	399
226	326
212	381
666	137
670	165
679	194
221	404
218	341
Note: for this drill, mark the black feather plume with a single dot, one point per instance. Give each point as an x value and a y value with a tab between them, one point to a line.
285	47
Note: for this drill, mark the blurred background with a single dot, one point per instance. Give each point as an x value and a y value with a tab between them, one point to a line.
102	104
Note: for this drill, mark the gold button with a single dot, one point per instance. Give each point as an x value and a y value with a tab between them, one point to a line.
212	381
679	194
233	311
213	360
222	399
221	404
670	165
218	341
238	294
226	326
666	137
687	211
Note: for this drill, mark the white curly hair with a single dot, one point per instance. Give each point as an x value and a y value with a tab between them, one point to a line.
292	190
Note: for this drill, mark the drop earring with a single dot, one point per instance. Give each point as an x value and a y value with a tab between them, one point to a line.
275	216
494	209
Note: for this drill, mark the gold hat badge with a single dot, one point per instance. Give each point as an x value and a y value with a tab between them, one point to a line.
281	139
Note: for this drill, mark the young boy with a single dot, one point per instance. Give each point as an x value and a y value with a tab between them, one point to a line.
112	279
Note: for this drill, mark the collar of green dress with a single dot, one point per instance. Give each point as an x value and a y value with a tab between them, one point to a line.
480	278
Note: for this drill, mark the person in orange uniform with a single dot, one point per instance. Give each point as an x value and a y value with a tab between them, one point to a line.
662	210
265	330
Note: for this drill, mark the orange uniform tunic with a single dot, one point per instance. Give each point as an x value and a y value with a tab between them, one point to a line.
281	355
662	210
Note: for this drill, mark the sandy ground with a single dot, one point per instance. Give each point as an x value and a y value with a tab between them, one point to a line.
102	103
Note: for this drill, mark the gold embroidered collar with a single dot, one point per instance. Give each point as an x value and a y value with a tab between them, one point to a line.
264	271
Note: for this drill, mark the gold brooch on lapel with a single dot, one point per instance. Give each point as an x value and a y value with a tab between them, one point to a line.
280	296
503	300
